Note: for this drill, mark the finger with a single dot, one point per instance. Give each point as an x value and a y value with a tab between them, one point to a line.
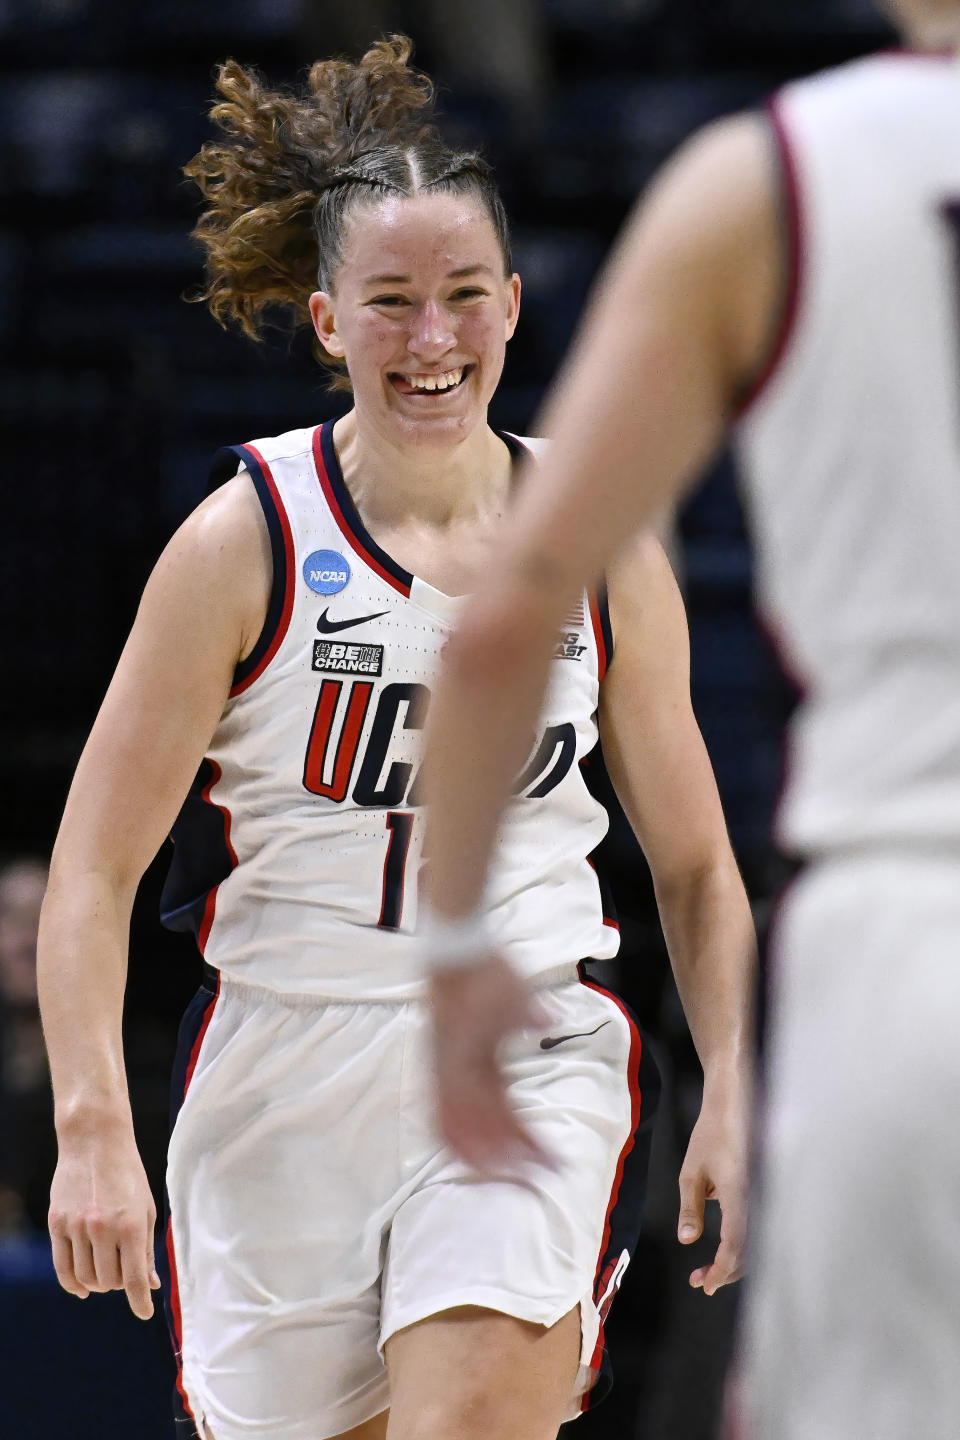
106	1261
693	1189
511	1146
728	1263
63	1264
136	1269
83	1265
484	1130
713	1280
481	1138
727	1266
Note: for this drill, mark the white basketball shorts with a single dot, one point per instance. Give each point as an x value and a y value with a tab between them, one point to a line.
853	1315
314	1212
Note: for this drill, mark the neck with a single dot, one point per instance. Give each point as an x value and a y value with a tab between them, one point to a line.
439	486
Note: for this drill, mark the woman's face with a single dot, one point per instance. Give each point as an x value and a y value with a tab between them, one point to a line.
421	313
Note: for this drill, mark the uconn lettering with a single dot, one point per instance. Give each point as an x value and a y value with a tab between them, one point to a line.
333	748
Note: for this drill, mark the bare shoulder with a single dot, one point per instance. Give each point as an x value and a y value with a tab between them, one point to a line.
219	561
650	668
709	235
651	641
228	524
724	174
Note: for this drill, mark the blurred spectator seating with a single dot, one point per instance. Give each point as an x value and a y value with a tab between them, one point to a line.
27	1148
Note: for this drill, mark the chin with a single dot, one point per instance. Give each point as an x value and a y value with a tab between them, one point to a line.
443	427
441	430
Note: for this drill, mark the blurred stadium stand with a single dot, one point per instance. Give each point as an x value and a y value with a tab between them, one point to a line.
114	393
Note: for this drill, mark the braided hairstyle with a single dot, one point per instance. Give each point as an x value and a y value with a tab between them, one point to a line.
290	169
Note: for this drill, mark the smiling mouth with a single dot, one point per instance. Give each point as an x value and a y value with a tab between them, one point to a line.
431	386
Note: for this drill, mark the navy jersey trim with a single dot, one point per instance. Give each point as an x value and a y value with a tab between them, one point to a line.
607	904
621	1228
345	513
203	856
280	606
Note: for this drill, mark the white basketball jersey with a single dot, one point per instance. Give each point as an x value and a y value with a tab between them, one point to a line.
298	850
851	454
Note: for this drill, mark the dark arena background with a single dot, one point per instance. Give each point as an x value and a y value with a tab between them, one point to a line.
114	393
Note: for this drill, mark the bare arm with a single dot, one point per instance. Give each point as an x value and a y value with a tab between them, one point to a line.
681	323
660	769
198	617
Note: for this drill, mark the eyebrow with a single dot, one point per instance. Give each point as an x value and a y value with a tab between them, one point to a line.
463	271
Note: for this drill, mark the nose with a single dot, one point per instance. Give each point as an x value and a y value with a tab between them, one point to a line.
431	332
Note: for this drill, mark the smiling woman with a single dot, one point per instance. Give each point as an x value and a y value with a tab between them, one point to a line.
424	345
292	170
344	208
329	1256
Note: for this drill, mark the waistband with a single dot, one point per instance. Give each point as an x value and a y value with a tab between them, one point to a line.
214	980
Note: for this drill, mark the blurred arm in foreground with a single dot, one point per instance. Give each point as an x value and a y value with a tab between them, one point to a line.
682	324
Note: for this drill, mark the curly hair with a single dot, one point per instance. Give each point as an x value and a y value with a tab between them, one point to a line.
289	169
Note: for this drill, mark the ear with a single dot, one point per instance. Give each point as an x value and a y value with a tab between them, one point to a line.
513	304
325	323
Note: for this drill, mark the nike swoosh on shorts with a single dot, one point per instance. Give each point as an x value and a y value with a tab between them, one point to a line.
550	1041
330	627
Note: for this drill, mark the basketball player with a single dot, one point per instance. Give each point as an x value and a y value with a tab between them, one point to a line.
283	656
793	279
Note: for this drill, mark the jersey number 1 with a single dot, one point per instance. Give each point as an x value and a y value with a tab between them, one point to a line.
400	825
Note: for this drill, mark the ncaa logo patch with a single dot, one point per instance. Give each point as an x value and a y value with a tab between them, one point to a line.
326	572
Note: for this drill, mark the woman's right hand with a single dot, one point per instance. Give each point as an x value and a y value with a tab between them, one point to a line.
102	1219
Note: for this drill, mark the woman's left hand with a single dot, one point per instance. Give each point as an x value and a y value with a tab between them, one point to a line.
716	1168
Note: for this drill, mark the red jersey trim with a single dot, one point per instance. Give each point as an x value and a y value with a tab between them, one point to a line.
175	1313
602	631
796	258
633	1082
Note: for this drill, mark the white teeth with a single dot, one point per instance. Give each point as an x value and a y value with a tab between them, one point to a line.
435	382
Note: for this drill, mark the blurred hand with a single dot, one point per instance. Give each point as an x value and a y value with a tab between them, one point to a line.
473	1010
716	1167
102	1219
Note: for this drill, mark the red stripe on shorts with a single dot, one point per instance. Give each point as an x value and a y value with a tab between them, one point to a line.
171	1256
633	1081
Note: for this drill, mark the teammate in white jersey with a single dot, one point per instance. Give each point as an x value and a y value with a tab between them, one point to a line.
329	1256
793	279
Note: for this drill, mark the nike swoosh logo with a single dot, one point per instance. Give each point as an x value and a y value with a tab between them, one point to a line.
330	627
549	1041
